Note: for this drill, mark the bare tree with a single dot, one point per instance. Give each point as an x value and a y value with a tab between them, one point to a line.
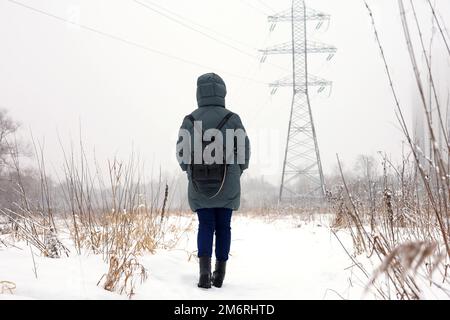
7	129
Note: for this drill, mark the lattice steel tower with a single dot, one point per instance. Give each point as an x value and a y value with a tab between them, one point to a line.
302	175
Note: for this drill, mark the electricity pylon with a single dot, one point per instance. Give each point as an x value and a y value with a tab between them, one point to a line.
302	175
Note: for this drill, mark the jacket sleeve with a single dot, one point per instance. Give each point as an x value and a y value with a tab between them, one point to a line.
247	149
185	126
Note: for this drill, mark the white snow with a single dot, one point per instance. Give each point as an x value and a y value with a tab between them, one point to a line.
277	260
284	258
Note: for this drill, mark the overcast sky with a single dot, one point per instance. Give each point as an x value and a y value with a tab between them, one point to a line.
55	76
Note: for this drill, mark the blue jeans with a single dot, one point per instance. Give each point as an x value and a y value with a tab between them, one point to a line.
212	220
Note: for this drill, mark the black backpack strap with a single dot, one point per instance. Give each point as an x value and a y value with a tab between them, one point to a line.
224	120
190	118
221	123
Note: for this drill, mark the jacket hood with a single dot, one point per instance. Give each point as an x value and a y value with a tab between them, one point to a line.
211	90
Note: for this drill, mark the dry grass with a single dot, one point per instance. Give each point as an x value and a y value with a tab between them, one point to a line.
123	273
7	287
400	217
118	215
398	229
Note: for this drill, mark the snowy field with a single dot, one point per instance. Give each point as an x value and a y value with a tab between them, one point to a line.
270	259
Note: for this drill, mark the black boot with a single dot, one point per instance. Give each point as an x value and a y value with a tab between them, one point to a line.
219	273
205	273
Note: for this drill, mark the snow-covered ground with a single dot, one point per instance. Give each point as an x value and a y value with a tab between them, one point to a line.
270	259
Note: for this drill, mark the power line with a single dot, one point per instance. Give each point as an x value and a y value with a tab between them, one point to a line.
128	42
266	5
180	22
248	4
200	25
191	28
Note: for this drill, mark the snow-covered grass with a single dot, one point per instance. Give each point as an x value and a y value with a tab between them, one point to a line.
272	257
283	258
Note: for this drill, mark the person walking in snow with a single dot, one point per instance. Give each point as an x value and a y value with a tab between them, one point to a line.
214	150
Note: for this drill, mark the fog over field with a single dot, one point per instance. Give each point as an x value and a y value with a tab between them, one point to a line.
58	78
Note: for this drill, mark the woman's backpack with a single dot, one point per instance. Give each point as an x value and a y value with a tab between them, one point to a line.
208	179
